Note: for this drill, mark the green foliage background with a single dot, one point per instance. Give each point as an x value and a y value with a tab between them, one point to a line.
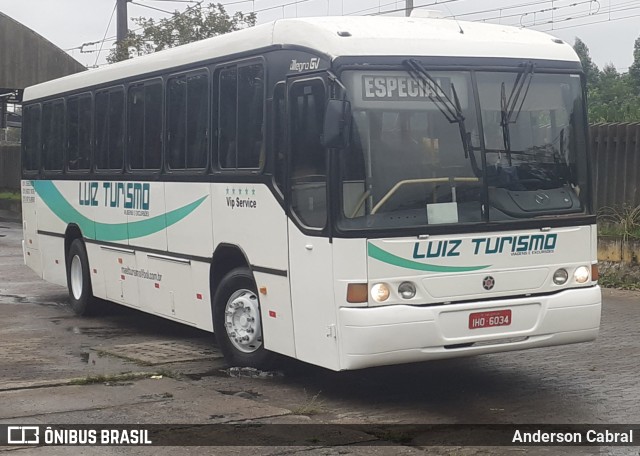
194	24
612	96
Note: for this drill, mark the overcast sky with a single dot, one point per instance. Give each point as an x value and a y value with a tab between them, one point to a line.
608	27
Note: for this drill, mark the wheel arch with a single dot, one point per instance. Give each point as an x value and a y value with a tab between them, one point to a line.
72	233
226	258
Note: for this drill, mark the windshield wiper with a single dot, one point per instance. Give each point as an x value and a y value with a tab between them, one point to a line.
508	106
450	109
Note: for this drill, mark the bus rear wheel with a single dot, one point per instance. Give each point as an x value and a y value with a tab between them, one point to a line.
79	280
237	322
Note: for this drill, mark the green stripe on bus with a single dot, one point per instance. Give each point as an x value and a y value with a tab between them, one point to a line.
389	258
91	229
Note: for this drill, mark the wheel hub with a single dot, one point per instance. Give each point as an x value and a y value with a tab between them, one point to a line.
242	321
76	277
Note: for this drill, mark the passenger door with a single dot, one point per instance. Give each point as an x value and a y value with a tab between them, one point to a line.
310	250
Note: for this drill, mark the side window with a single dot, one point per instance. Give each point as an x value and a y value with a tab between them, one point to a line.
241	117
31	138
279	135
53	135
227	117
250	116
144	125
308	161
79	132
109	129
187	121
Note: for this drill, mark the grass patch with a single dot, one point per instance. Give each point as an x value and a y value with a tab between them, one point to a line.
9	195
313	406
620	221
619	280
624	276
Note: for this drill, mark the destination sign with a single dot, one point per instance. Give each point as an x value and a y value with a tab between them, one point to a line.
400	88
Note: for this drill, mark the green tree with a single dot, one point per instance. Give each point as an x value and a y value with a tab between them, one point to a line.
612	98
634	69
591	70
194	24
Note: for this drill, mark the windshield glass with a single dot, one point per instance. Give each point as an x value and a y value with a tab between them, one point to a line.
412	164
536	153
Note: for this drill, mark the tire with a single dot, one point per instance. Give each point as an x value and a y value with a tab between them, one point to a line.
237	323
79	279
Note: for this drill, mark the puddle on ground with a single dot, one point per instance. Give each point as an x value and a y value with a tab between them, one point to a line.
243	394
50	303
102	362
249	372
13	299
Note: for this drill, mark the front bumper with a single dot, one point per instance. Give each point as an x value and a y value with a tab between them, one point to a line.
401	334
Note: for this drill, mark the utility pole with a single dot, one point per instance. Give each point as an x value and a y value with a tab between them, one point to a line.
121	20
408	8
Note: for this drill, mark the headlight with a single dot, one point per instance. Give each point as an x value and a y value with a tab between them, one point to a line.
582	274
560	276
407	290
380	292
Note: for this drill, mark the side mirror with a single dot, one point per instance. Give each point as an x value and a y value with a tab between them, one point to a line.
337	118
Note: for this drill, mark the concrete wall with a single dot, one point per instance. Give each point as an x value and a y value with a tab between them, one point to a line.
10	167
26	58
618	250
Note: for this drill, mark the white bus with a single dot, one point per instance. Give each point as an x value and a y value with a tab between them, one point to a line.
349	192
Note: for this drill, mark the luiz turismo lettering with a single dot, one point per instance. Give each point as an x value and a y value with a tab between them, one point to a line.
515	245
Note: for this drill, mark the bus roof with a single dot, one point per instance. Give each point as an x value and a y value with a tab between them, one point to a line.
367	36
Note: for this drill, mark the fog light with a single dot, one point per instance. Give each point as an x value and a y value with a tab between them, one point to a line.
560	276
380	292
407	290
582	274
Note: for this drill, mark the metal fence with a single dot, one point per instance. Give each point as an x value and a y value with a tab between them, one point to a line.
615	148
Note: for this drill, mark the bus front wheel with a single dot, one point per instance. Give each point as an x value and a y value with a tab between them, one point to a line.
237	323
79	279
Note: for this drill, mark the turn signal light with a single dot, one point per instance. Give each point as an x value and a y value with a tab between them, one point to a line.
595	274
357	292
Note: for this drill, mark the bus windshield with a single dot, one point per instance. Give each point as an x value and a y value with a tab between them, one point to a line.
517	149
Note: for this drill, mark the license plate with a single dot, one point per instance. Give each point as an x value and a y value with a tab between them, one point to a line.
490	319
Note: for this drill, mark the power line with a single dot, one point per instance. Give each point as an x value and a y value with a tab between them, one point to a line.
563	19
113	37
353	13
105	32
550	17
151	7
595	22
283	5
441	2
526	13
